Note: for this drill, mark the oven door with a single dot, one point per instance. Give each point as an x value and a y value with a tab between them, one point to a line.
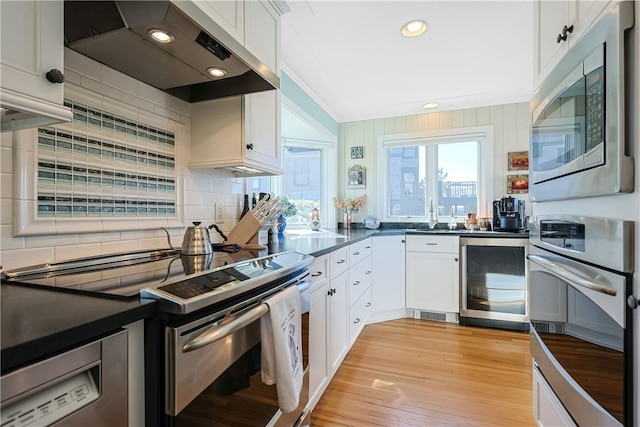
213	372
580	339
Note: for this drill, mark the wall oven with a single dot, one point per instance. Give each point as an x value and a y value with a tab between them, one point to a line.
581	325
578	145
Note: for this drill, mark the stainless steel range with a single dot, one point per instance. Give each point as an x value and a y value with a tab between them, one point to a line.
202	349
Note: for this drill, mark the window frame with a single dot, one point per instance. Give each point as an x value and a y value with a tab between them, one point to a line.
327	144
482	134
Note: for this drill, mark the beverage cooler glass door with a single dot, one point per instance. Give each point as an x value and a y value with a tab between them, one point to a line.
494	279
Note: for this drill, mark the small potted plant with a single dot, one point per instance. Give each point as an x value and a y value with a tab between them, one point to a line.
289	210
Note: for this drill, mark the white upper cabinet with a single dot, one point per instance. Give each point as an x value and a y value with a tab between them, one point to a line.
254	24
32	62
262	33
228	14
240	132
558	25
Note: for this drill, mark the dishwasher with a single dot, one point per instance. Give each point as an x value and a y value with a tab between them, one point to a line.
494	282
85	386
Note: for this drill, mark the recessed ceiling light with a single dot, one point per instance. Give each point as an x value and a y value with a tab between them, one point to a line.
414	28
217	72
431	105
161	36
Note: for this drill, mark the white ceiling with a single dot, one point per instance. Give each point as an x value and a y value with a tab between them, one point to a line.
352	59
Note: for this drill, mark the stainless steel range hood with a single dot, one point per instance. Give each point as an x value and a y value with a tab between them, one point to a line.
115	33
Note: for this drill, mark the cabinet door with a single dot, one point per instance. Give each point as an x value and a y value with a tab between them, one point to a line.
583	13
318	365
549	18
262	33
433	282
388	273
338	328
229	14
262	129
547	409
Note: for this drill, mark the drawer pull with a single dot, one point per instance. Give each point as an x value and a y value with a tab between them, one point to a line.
342	261
367	272
319	273
356	253
368	304
356	321
356	283
431	244
367	247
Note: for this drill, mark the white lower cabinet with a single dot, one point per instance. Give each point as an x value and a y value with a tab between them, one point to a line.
359	313
337	323
318	340
433	273
388	286
547	409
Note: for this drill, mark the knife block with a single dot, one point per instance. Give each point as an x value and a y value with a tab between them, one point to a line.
262	236
245	230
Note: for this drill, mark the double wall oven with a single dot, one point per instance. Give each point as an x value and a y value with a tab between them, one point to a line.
202	349
581	324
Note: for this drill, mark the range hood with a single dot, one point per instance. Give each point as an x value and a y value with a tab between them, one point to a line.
115	33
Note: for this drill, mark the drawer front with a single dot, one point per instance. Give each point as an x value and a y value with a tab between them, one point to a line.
319	271
339	261
359	251
360	278
446	244
359	314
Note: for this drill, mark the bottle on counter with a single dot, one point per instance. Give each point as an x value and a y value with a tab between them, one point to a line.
245	207
254	200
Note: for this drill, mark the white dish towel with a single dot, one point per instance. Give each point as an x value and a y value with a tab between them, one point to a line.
281	335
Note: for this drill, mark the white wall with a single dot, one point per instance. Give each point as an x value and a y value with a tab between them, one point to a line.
201	188
511	126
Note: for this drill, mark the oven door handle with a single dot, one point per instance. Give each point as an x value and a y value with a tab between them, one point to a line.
216	333
556	268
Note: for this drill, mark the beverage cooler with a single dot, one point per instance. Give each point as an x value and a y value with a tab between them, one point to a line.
494	283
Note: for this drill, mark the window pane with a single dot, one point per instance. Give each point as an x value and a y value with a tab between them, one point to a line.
302	181
407	181
458	178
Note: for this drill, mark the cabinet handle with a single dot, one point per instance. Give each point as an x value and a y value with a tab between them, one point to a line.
563	36
319	273
367	247
356	321
368	304
55	76
455	259
250	146
356	283
356	253
341	261
404	241
431	244
367	272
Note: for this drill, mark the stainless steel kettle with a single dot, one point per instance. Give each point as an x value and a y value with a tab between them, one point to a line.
196	240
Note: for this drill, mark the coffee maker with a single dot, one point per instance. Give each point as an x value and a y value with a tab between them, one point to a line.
508	214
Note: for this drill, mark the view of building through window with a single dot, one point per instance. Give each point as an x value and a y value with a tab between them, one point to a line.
444	172
302	181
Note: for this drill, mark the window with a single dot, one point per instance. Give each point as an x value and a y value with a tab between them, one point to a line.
448	168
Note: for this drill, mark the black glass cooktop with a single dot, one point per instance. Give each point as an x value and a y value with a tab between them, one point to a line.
162	274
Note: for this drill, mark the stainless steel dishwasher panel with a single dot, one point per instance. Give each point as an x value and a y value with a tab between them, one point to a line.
81	387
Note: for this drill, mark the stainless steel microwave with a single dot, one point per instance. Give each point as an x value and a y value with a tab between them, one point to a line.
578	145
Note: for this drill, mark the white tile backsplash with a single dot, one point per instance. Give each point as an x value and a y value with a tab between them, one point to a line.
201	189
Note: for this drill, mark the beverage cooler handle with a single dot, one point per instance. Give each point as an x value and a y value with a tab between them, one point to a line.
216	333
557	269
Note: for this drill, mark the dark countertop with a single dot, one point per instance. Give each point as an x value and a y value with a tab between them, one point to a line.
38	322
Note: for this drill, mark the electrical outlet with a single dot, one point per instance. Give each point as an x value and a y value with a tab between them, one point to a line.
220	215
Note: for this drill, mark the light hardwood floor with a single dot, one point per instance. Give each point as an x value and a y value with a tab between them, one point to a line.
410	372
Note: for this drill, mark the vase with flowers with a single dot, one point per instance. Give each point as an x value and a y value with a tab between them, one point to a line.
288	210
348	207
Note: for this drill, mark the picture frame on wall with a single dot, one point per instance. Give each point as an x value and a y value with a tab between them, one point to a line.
357	177
517	184
357	152
518	161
